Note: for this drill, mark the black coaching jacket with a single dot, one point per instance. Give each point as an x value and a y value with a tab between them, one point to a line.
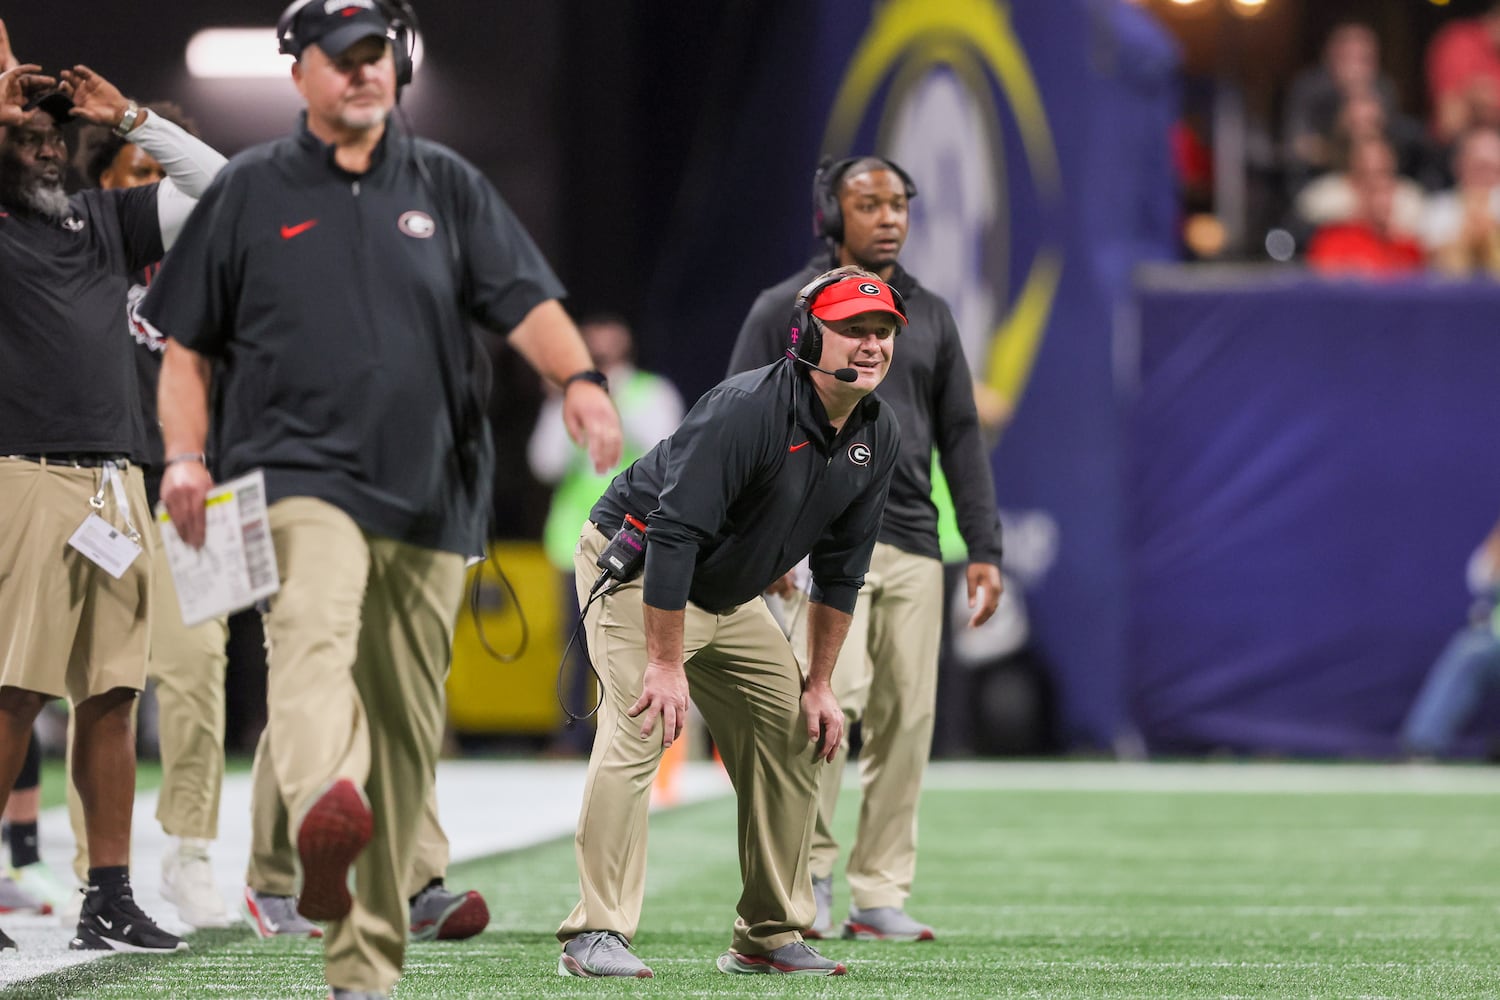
754	479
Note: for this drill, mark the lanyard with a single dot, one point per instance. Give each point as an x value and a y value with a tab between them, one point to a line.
111	479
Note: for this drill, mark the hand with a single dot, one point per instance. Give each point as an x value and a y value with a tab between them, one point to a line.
784	585
825	720
95	99
985	586
664	692
183	489
589	414
14	84
8	60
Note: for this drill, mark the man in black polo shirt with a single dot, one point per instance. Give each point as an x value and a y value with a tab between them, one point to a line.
74	562
887	676
770	466
333	275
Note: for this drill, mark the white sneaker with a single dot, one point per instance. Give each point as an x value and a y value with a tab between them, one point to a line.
41	881
187	882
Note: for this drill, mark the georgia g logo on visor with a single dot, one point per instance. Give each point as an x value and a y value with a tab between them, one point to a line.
869	289
418	225
859	453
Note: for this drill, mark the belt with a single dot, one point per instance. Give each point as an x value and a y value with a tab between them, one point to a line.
77	460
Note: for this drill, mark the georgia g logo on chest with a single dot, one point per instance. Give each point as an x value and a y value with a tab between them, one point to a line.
860	454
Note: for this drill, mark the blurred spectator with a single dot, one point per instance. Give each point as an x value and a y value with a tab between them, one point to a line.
1463	75
1462	230
1368	241
1316	101
1468	664
1334	197
650	409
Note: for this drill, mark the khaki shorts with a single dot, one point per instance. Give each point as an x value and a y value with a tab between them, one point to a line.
68	628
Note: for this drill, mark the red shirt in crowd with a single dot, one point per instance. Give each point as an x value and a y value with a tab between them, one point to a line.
1460	53
1358	248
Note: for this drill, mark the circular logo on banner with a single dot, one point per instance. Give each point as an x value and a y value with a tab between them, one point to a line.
859	453
418	225
945	88
869	289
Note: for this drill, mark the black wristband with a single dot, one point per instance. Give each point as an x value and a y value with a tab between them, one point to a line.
593	375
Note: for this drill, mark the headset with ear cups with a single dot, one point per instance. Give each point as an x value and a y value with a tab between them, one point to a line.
828	215
804	334
402	32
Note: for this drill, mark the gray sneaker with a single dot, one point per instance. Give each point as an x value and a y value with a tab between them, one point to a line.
884	923
273	916
438	914
795	959
596	954
823	923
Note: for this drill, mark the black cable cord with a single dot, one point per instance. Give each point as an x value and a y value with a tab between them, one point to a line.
594	594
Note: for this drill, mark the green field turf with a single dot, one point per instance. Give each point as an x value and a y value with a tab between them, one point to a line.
1034	892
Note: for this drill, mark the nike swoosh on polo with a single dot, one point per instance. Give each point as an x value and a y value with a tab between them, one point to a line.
287	232
799	447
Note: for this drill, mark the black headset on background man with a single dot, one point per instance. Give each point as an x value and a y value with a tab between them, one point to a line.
828	215
402	33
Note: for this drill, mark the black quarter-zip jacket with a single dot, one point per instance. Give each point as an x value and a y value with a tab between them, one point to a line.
754	479
931	391
338	305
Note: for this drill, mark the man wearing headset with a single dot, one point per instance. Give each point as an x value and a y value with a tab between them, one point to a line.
788	461
334	275
887	675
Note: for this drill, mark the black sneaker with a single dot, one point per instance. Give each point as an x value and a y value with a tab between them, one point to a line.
115	923
6	944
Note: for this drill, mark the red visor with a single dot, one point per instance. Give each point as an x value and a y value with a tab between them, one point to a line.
853	296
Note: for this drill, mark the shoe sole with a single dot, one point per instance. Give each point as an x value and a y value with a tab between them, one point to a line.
865	932
97	943
333	832
567	965
459	922
262	931
752	965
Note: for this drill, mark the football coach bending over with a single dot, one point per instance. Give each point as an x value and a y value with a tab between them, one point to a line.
768	467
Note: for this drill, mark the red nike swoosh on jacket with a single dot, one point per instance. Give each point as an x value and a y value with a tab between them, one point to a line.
287	232
797	447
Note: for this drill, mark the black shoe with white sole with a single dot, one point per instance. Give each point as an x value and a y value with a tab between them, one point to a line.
115	923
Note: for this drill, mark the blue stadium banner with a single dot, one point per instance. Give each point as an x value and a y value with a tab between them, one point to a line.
1310	466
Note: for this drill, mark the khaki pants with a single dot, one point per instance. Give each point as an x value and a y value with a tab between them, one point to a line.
886	679
358	641
744	680
188	666
273	859
67	628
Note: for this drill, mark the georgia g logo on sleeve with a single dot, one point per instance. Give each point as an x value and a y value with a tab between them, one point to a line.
859	453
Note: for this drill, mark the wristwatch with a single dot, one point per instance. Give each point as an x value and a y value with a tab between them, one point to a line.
593	375
127	120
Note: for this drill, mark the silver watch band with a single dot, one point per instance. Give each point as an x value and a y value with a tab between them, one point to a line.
127	120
